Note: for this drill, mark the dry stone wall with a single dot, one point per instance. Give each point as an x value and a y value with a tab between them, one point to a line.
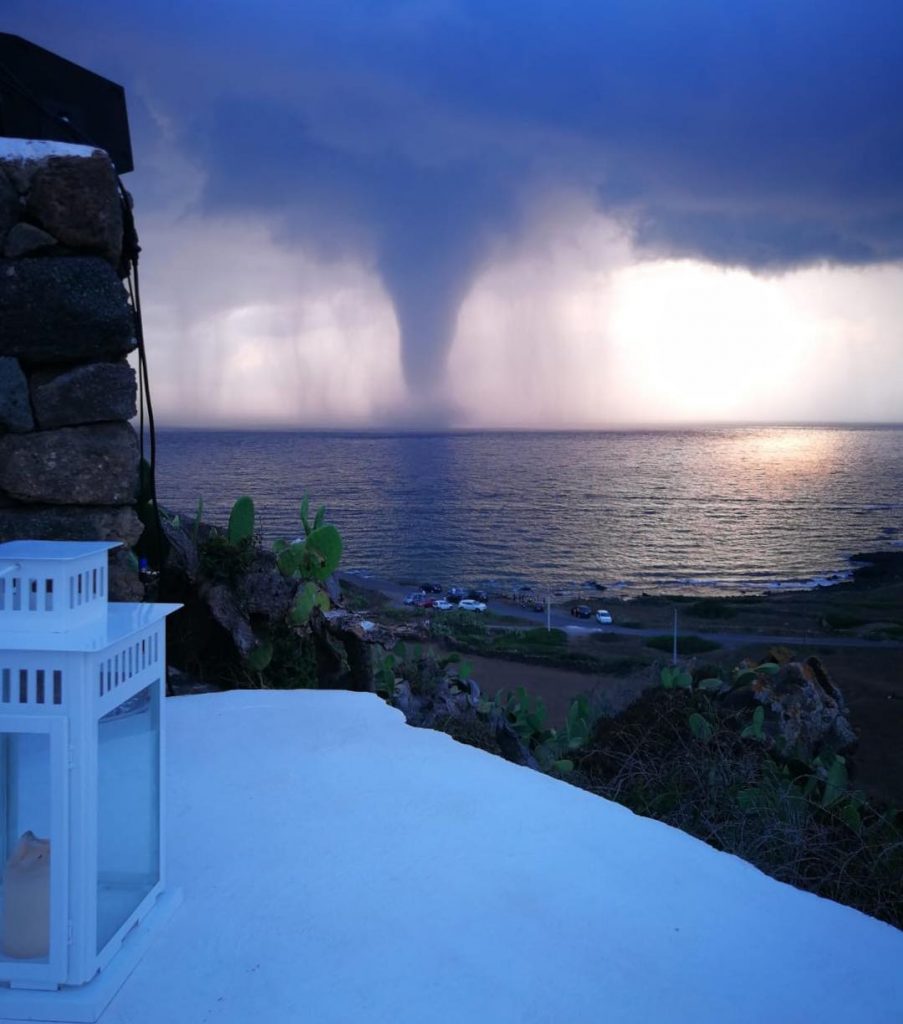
68	455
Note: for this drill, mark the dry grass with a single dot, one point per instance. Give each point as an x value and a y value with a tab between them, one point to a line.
649	760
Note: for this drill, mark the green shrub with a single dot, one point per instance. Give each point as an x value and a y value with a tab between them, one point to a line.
532	638
620	666
686	644
842	620
711	608
221	561
600	637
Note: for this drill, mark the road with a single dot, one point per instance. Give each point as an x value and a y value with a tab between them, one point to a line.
563	620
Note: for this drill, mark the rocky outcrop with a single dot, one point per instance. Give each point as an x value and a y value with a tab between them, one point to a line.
235	600
805	713
264	591
225	610
450	697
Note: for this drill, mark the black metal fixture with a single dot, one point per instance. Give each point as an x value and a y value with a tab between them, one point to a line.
44	96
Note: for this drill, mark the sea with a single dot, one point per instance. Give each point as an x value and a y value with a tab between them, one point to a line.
716	510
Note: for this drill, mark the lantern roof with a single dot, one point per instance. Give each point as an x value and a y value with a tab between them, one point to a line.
57	550
120	620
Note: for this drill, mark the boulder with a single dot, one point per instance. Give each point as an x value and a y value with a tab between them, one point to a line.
76	199
512	747
449	698
227	613
266	592
24	239
63	310
15	411
91	393
56	522
359	639
94	465
805	713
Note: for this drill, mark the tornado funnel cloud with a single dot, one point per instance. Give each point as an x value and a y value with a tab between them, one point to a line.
426	324
427	277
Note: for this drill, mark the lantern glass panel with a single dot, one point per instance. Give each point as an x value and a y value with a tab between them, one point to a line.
25	844
128	809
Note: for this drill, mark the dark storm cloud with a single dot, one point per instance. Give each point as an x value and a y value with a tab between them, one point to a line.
767	134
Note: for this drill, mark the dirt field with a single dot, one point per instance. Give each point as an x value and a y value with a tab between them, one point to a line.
557	687
871	681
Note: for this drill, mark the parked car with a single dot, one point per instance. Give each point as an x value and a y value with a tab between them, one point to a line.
431	588
478	595
582	611
442	604
603	617
416	598
455	594
469	605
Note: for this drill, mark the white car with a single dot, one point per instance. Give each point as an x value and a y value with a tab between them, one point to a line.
603	617
469	605
442	604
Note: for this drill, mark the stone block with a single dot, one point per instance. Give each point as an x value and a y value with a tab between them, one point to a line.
94	465
76	199
56	522
10	207
24	239
15	410
67	522
91	393
63	310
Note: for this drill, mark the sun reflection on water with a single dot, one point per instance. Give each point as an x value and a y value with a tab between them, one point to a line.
794	450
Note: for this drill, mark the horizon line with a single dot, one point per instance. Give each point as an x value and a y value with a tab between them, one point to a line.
426	429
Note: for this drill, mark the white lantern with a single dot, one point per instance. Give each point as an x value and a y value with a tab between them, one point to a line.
81	780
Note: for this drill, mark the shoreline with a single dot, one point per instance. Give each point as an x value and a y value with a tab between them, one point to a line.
863	567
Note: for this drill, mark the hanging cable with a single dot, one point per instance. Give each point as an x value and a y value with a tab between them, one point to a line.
130	252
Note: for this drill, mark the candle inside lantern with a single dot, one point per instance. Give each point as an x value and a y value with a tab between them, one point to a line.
26	899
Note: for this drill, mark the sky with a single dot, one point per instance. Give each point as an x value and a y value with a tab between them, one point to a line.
475	213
